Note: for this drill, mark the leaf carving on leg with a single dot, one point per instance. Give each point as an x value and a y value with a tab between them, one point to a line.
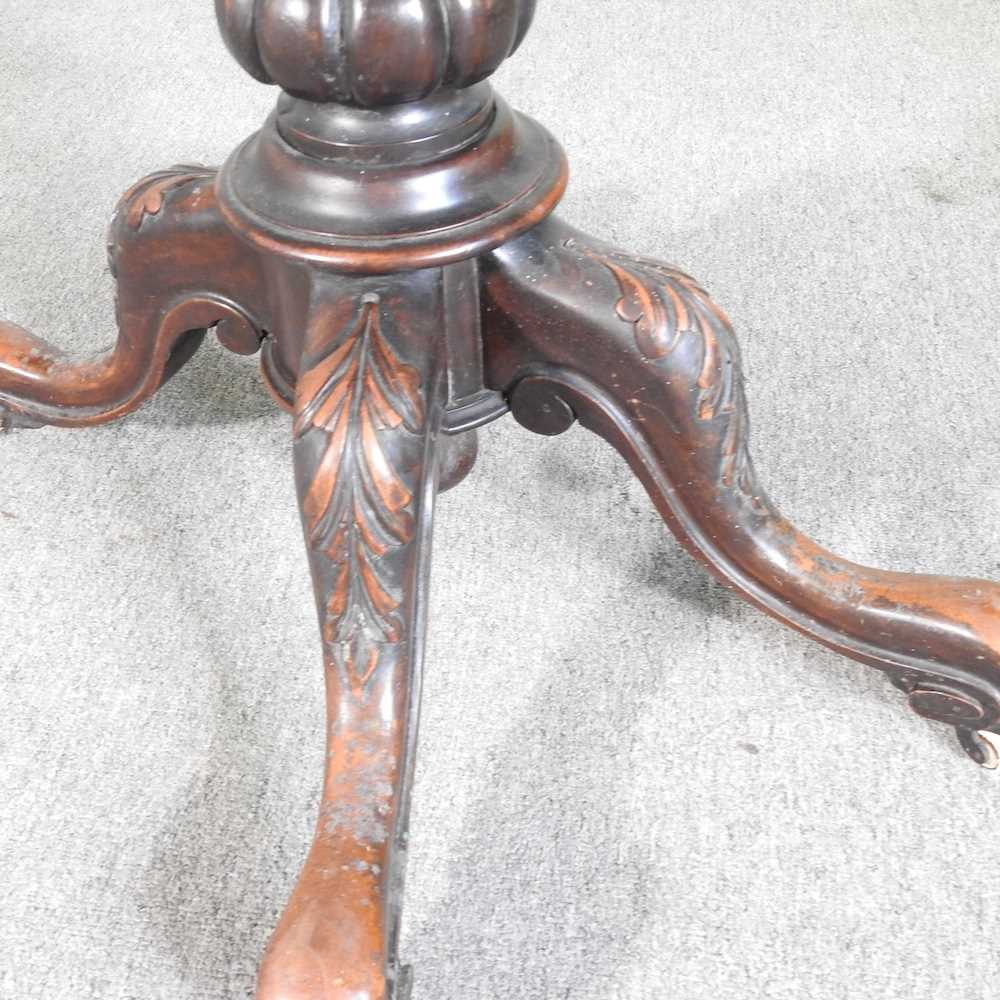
357	506
665	305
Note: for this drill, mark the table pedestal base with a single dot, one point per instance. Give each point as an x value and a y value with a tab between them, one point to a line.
389	344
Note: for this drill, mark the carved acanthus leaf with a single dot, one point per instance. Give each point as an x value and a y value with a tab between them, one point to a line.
665	305
357	506
149	195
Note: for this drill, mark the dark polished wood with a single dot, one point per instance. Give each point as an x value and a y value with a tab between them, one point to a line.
387	242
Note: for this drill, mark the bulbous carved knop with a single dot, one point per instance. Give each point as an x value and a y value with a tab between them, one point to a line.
372	52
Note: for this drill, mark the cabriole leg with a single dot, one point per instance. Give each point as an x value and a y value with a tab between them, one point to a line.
368	411
639	353
180	271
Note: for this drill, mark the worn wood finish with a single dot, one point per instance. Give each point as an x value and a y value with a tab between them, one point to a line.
368	412
639	353
387	240
180	271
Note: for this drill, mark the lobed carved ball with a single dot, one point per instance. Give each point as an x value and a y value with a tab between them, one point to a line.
372	53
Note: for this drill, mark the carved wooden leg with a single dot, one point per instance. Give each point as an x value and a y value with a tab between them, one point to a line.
369	404
180	271
638	353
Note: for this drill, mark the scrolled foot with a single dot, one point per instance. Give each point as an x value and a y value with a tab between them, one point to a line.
638	352
180	272
983	748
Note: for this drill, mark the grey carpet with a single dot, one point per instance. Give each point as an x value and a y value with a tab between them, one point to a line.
630	785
